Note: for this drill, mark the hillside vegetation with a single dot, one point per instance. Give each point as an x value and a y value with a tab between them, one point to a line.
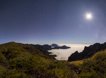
29	61
26	61
93	67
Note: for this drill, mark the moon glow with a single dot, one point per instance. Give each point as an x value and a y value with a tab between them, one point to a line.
88	16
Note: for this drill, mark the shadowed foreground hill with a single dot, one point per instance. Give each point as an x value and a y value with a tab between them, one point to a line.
27	61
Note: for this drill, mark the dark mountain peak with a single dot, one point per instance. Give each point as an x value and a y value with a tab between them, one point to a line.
87	52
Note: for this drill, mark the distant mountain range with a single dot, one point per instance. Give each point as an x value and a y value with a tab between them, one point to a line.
87	52
52	46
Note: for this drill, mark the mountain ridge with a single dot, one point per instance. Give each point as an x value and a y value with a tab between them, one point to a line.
87	52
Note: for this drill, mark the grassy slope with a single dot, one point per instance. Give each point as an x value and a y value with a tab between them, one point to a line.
25	61
93	67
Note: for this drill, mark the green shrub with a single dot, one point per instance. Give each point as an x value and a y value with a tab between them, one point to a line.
2	71
16	74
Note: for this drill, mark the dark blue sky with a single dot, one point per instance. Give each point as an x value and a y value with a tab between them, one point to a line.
49	21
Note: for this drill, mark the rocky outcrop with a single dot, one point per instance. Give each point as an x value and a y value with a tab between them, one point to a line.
87	52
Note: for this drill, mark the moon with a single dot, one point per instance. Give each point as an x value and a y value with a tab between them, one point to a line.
88	16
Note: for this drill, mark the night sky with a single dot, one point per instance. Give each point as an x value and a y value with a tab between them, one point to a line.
52	21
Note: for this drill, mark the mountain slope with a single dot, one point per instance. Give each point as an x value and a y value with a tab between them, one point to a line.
94	67
27	61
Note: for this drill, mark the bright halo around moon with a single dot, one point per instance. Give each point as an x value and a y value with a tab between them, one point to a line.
88	16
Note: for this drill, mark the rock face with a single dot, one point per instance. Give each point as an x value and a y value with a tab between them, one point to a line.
87	52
